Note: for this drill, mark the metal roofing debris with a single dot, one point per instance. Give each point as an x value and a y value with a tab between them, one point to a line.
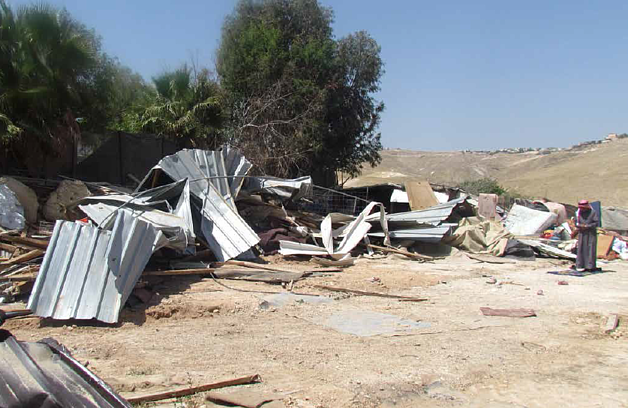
526	221
223	169
178	229
548	249
44	375
227	234
90	273
423	234
351	234
293	189
430	216
214	178
11	210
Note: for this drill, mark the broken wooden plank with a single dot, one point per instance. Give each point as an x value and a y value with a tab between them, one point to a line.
245	399
267	267
27	242
29	256
19	278
401	252
181	272
252	379
254	275
254	265
487	311
611	323
366	293
491	259
7	247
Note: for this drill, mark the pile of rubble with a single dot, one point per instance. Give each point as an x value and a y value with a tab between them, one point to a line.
200	212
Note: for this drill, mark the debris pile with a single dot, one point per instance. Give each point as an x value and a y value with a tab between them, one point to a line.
199	212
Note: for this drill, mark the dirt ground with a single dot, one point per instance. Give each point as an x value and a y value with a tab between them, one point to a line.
196	331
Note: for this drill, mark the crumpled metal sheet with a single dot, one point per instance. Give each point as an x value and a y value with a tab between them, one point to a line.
351	234
227	234
89	273
421	234
11	211
213	180
176	225
292	189
223	169
44	375
430	216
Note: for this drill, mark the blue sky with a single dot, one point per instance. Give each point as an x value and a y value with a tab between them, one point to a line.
459	74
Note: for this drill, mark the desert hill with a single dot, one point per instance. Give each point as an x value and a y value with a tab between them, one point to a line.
594	171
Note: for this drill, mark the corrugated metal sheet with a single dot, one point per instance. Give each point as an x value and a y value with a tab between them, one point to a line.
223	169
428	234
236	167
430	216
284	188
88	272
215	184
227	234
44	375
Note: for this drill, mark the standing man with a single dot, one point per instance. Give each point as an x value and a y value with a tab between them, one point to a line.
587	221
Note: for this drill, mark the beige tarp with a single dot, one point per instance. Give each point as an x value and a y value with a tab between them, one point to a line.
480	236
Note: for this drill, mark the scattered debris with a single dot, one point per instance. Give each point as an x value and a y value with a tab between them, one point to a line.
540	292
611	323
562	283
487	311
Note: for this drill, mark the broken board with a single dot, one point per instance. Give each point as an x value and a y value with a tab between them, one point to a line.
604	245
420	195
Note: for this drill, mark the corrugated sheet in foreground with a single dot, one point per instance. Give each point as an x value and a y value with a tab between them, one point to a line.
88	272
44	375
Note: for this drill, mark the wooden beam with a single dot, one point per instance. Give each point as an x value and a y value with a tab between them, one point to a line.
401	252
35	253
194	390
365	293
27	242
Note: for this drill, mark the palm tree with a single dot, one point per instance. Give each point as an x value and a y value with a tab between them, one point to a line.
186	107
47	60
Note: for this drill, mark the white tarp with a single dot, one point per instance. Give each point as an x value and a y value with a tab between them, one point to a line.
526	221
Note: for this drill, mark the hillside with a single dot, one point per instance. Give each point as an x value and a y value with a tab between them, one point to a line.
597	171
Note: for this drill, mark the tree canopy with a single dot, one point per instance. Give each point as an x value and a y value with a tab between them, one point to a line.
305	98
54	75
294	98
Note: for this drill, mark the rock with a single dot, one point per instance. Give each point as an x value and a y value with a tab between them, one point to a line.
68	192
25	195
562	282
540	292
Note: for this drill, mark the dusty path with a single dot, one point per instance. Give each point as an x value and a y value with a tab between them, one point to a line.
199	332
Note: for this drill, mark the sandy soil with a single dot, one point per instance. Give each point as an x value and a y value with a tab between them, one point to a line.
196	331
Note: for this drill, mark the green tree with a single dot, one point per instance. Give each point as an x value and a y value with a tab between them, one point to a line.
300	101
53	73
185	105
